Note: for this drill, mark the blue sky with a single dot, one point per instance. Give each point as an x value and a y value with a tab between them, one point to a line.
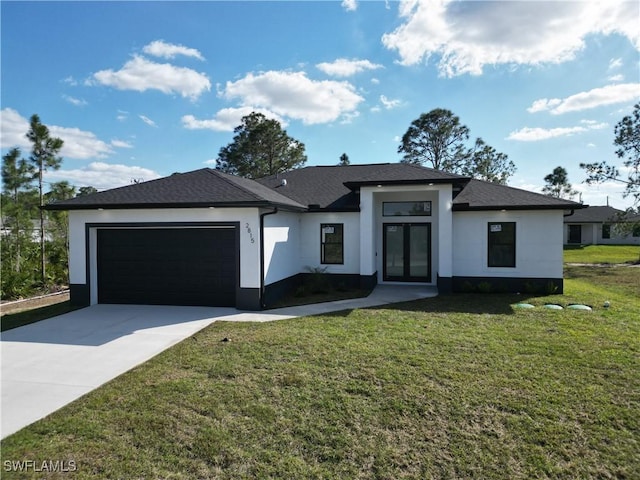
139	90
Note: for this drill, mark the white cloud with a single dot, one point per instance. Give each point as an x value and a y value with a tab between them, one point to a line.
102	175
70	81
293	95
161	49
226	119
147	120
14	128
78	143
350	5
470	35
78	102
343	67
615	63
389	103
211	161
120	143
375	81
616	78
140	74
528	134
544	104
597	97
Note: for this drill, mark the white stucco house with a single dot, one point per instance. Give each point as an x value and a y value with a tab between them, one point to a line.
208	238
596	225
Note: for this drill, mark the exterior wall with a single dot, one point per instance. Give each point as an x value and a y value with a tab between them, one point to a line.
310	241
538	244
78	219
281	246
592	235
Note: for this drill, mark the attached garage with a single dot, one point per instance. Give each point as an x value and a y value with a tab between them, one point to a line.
168	266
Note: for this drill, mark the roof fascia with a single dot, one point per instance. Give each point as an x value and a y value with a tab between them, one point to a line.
153	206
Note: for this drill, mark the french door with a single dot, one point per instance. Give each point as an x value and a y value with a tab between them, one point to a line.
406	252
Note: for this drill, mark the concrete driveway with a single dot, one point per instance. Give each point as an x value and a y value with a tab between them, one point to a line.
49	364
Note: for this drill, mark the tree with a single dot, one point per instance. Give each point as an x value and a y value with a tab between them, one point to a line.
557	184
344	160
58	245
44	155
17	205
86	191
436	137
627	139
485	163
260	148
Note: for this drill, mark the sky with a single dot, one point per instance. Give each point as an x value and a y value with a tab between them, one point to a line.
141	90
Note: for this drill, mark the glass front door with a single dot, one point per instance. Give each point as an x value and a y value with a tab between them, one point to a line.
407	252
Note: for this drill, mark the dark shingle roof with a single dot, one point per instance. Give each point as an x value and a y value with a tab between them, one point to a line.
595	214
481	195
332	187
200	188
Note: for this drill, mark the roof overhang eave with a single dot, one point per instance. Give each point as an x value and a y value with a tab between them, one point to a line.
154	206
465	207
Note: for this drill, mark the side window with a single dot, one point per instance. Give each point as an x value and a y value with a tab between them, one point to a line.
606	231
502	244
331	243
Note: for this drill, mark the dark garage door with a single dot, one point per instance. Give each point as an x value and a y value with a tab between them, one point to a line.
170	266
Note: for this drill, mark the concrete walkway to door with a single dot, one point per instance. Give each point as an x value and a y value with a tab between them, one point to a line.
48	364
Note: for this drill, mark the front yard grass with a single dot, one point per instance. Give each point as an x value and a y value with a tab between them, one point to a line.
462	386
601	254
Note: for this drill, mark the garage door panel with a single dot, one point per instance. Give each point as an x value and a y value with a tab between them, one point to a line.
167	266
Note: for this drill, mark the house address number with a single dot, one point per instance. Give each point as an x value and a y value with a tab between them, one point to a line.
248	228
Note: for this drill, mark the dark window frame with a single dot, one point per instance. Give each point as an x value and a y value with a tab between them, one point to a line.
495	241
323	243
421	214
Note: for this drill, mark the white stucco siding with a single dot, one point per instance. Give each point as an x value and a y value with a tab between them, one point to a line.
539	237
281	246
247	218
310	241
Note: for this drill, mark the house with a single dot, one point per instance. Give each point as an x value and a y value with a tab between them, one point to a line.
208	238
596	226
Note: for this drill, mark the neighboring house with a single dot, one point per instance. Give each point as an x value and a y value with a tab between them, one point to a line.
596	226
208	238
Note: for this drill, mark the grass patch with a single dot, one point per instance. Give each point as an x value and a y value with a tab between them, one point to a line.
459	386
18	319
601	253
293	298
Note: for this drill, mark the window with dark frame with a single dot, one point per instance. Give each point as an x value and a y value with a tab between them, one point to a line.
606	231
406	209
331	243
502	244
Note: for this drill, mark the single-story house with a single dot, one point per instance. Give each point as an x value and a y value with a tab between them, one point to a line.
208	238
596	226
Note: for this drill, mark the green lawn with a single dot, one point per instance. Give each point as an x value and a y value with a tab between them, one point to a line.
461	386
601	253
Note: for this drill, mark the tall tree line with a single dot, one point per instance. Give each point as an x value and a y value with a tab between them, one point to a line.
34	252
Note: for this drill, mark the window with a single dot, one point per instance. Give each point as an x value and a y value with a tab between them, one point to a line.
406	209
502	244
331	243
636	230
606	231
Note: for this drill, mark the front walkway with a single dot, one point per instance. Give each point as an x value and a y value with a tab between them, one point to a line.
48	364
